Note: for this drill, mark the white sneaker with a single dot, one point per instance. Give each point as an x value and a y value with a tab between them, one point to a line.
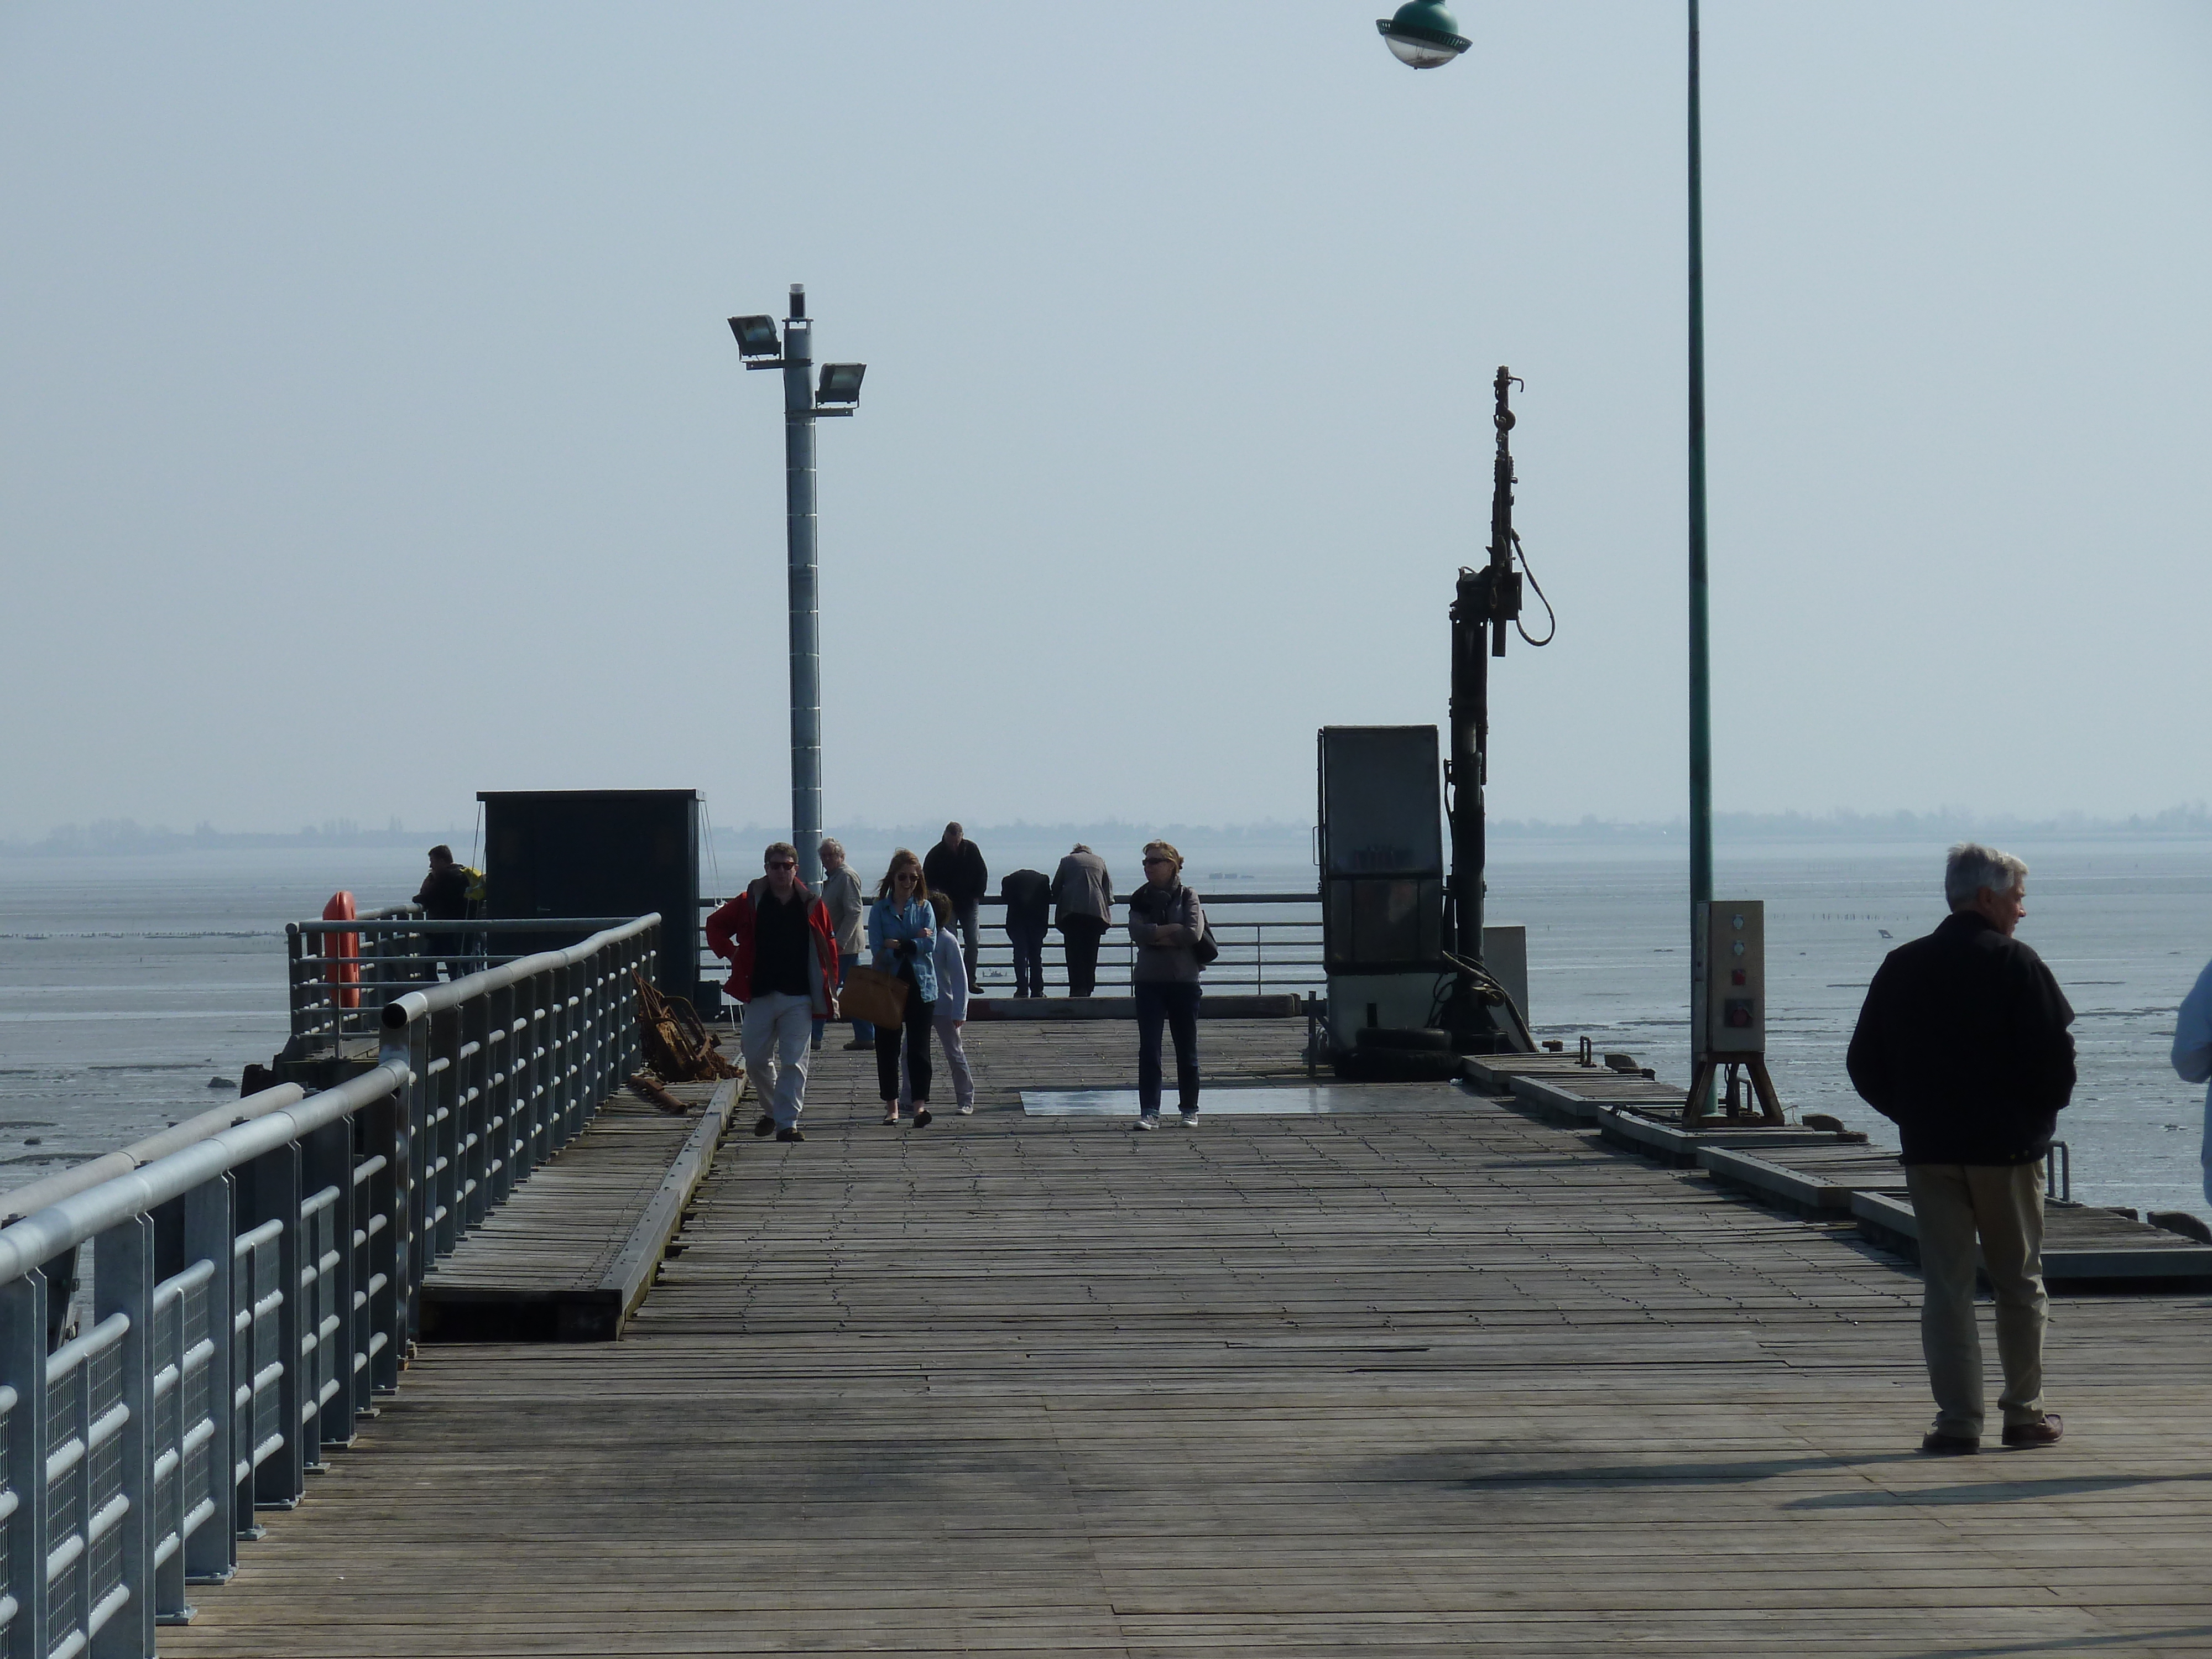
968	1111
1148	1120
1188	1118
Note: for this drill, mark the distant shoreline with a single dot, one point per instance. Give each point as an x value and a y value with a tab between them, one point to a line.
2192	823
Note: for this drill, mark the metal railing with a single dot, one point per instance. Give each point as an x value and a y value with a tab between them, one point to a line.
334	993
1274	953
256	1281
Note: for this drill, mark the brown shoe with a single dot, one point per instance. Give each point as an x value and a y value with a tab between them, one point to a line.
1949	1445
2044	1433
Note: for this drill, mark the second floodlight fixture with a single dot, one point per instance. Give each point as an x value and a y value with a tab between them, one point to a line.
841	383
757	335
1422	34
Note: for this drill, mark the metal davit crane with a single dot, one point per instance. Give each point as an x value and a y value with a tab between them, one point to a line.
1477	1012
1402	931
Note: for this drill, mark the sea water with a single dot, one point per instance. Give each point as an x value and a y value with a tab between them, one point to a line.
134	989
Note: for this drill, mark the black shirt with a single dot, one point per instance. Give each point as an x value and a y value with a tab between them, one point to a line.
1962	1044
445	894
780	943
1028	894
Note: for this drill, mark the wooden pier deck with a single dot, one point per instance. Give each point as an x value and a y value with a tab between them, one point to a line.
569	1256
1440	1381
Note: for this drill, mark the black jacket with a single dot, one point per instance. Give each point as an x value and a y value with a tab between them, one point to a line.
1962	1044
1028	894
959	874
444	895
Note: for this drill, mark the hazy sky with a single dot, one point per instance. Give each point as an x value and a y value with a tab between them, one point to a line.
372	433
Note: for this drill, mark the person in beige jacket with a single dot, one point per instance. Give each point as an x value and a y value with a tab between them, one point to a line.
1083	893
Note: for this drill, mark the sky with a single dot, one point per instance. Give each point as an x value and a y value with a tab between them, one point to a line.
370	433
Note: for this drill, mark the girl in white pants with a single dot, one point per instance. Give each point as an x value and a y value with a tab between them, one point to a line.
949	1012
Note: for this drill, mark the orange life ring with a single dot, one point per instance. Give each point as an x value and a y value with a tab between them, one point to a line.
344	975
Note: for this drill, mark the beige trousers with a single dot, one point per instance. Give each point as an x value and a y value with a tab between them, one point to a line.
2002	1204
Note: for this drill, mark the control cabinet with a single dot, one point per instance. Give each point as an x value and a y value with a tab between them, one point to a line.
1728	1006
1727	979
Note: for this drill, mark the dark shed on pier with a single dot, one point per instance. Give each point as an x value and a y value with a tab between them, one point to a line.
599	852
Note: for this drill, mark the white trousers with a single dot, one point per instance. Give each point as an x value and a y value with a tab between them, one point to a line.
774	1031
955	1061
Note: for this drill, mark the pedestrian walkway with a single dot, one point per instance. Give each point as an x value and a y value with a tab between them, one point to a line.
1438	1382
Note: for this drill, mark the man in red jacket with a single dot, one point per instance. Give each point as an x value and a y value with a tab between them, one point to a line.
782	947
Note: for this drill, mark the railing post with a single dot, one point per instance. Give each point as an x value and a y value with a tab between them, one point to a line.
23	1373
327	1162
210	1554
559	1026
384	1312
269	1190
417	1155
537	990
505	1085
123	1282
472	1087
296	994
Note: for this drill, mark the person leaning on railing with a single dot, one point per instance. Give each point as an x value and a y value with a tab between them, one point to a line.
444	896
1165	924
1028	894
777	936
1082	892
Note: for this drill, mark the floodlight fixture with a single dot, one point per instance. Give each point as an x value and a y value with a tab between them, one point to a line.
841	383
757	335
1423	35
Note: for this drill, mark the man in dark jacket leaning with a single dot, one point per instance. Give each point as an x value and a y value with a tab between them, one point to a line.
955	867
1962	1044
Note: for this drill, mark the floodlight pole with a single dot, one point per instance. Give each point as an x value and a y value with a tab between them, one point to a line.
1701	705
805	588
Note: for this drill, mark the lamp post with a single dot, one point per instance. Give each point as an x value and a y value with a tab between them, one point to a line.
803	402
1424	34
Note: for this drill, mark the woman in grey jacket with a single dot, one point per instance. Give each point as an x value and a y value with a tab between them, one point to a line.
1166	923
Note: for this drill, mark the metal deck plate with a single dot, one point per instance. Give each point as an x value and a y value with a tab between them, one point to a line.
1304	1100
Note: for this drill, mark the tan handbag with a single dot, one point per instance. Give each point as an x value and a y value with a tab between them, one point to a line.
870	994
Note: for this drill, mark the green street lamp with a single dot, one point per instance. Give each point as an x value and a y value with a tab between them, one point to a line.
1423	33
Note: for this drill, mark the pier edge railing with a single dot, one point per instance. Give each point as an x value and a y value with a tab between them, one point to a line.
255	1288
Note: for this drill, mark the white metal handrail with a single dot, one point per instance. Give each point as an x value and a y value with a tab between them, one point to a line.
256	1281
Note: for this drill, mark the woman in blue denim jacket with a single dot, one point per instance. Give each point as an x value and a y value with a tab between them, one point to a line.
902	940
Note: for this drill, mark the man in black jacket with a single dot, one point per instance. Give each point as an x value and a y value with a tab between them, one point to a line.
955	868
1962	1044
444	896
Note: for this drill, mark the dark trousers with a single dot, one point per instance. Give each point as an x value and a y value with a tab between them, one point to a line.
964	912
916	1033
1079	936
451	949
1028	940
1172	1003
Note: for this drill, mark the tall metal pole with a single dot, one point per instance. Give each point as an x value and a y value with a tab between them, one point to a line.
1701	732
805	583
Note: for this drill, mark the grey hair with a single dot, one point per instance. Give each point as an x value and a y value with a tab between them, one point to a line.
1970	866
831	844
